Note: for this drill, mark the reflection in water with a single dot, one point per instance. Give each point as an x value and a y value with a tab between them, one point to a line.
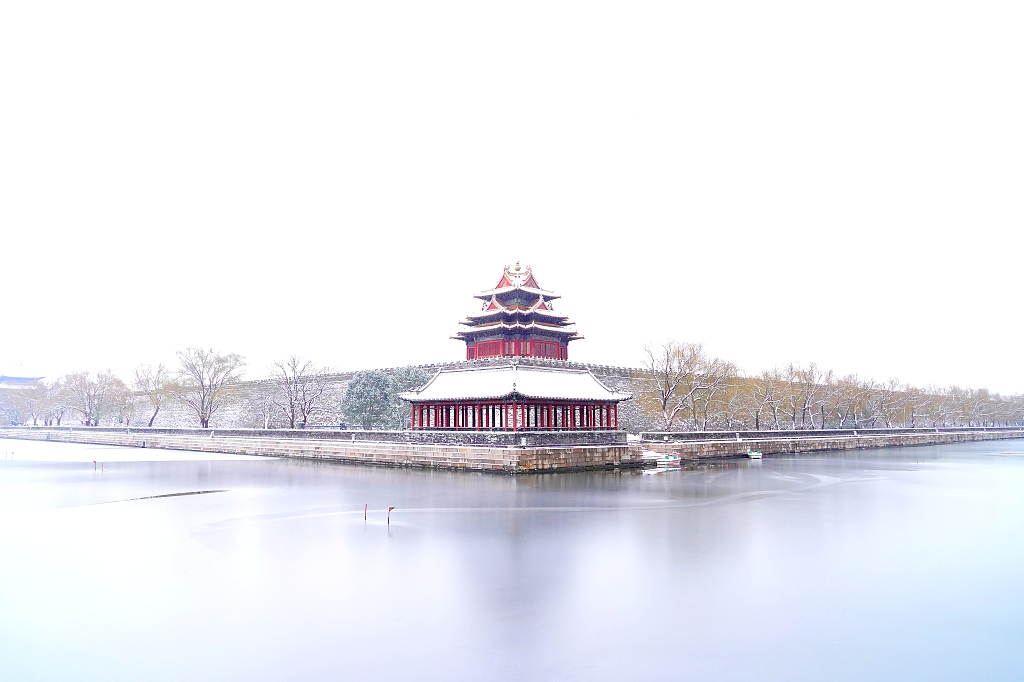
885	564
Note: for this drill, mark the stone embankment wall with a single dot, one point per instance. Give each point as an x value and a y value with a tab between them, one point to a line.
500	452
697	446
339	446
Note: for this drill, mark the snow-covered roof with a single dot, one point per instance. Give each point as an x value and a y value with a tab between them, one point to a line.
505	381
19	382
518	278
494	307
550	295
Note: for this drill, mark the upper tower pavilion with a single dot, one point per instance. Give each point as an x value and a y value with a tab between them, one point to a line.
517	319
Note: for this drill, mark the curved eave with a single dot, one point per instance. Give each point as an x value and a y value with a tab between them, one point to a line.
518	318
413	397
516	311
477	331
486	295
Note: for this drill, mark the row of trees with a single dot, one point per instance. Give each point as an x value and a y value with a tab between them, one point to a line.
681	387
203	382
685	387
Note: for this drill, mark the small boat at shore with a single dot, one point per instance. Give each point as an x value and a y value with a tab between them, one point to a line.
753	454
661	459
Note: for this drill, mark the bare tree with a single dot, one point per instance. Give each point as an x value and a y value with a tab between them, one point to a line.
154	383
300	386
734	403
204	377
889	400
60	401
123	403
89	394
715	376
675	372
34	402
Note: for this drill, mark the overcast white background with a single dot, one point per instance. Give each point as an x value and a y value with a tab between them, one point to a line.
784	181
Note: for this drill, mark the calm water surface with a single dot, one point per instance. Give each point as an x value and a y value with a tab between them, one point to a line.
899	564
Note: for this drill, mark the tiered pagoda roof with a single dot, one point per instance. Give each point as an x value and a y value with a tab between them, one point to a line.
517	318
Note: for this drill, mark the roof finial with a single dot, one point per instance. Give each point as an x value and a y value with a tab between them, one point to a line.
517	266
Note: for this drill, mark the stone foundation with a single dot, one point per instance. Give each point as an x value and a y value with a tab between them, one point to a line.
341	448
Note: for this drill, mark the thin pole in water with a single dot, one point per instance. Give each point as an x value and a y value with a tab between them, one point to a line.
365	507
389	515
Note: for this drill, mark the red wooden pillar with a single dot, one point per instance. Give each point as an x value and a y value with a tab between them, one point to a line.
615	409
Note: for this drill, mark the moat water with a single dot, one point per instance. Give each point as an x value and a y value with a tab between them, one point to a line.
896	564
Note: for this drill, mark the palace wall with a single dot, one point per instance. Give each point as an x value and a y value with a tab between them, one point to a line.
243	408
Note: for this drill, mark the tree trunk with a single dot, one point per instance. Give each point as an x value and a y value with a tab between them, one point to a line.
153	418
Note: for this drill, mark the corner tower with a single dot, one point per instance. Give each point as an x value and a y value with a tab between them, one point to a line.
517	319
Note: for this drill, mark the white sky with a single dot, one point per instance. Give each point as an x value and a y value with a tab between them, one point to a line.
829	182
